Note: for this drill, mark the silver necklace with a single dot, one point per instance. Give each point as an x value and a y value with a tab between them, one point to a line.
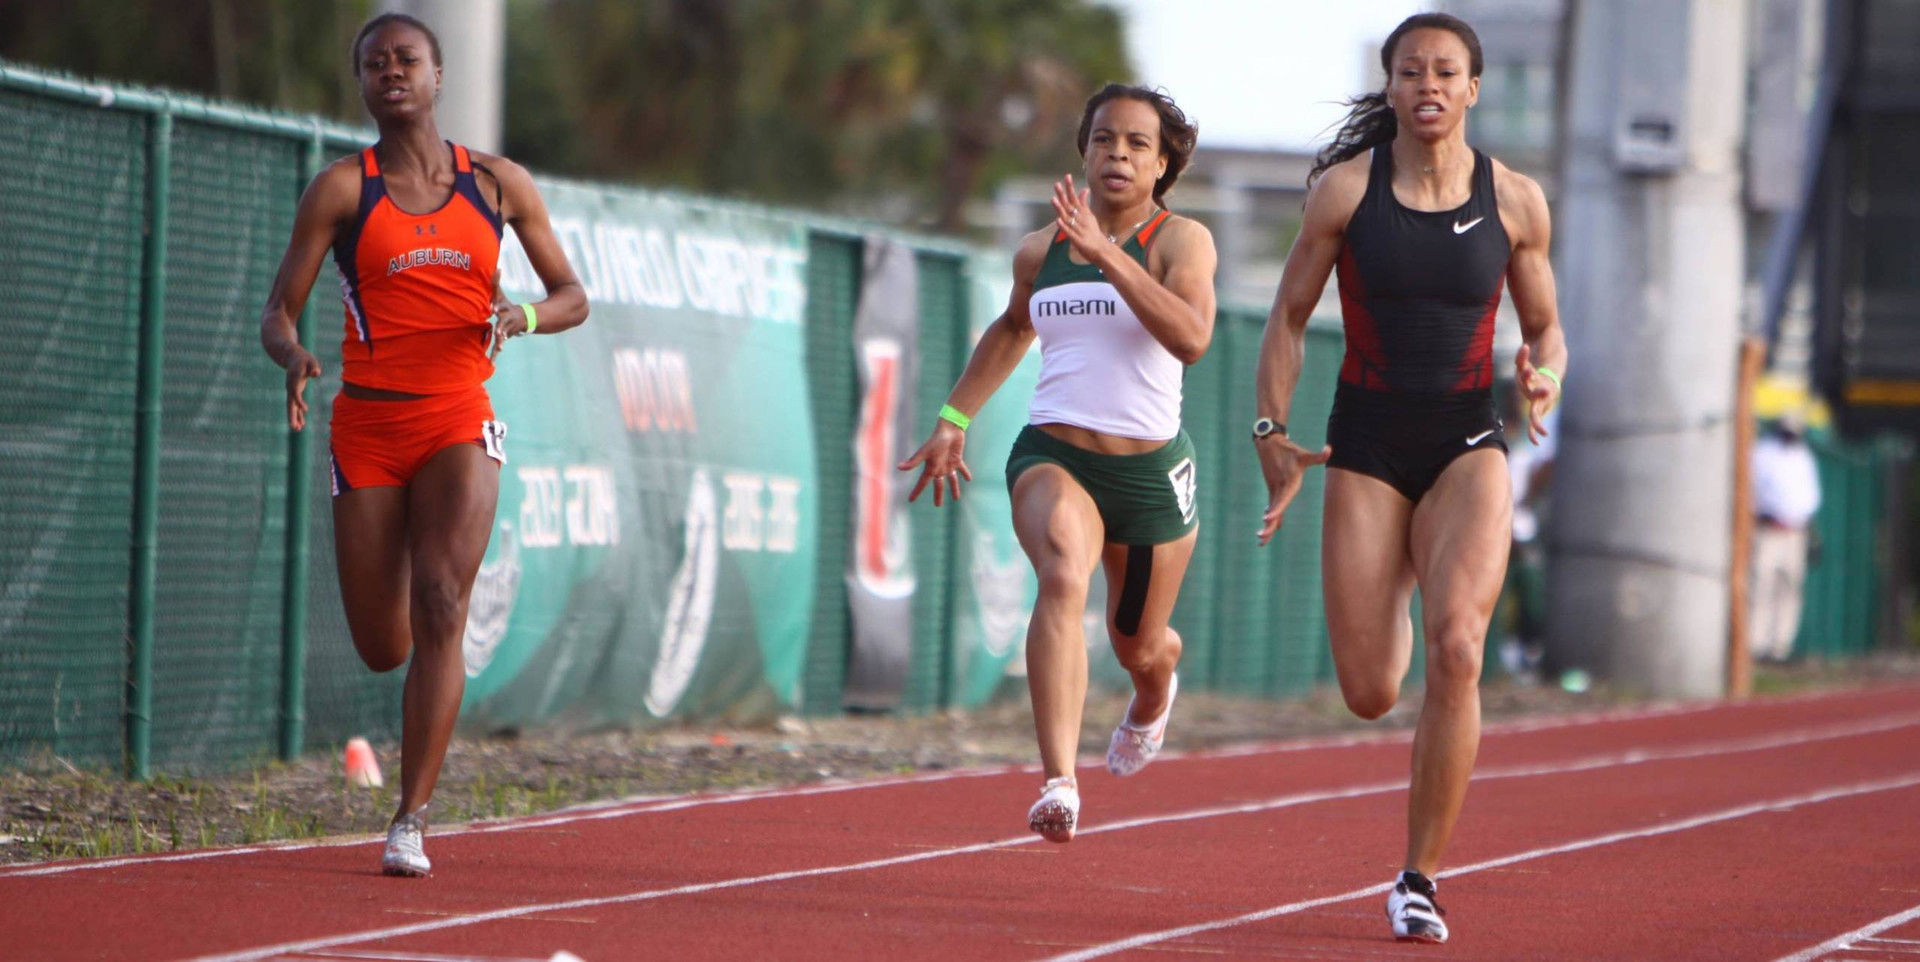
1115	238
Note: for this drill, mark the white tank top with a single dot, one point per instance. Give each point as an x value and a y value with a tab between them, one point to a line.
1100	369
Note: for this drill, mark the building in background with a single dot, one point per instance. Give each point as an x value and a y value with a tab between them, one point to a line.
1517	119
1785	54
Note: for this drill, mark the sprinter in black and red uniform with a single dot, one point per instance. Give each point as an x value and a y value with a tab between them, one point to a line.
1425	230
414	223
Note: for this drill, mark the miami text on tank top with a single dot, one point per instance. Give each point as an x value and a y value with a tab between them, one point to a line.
418	287
1418	289
1100	369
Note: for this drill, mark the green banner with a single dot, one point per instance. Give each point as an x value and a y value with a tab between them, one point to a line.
655	541
994	585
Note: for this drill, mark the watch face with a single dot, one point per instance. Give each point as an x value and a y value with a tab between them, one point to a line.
1263	427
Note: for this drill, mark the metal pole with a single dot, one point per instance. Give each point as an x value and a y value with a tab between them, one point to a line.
293	593
1753	357
142	101
1783	247
146	459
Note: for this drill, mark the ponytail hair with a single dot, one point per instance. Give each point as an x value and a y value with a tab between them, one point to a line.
1370	121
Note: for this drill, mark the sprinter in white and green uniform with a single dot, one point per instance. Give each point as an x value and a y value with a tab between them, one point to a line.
1119	292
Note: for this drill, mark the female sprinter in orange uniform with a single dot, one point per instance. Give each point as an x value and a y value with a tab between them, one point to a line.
1119	292
414	223
1425	230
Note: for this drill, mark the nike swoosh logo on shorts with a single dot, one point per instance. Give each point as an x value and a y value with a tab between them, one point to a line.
1460	228
1476	439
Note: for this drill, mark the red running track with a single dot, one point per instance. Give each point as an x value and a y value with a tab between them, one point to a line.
1786	828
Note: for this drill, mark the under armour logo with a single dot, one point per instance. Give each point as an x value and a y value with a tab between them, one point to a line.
433	229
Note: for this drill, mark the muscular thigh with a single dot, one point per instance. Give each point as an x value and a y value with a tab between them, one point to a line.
1143	582
1056	520
1462	532
1368	575
451	504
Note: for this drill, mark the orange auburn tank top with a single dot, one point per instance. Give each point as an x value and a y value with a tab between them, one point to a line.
418	287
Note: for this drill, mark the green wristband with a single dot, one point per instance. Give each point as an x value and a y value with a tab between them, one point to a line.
952	415
1548	373
533	319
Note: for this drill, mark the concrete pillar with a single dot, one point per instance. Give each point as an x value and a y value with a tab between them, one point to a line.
1650	259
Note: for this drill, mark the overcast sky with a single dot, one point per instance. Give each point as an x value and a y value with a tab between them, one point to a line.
1260	73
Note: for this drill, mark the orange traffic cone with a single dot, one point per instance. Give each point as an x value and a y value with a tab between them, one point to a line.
362	768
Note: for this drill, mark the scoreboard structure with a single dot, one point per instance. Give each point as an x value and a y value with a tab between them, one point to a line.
1863	218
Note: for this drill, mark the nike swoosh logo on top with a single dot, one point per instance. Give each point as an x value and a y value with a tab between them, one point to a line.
1460	228
1476	439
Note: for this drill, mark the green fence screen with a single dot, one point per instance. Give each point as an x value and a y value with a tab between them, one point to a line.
72	213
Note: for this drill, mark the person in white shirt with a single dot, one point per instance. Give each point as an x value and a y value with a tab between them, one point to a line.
1786	493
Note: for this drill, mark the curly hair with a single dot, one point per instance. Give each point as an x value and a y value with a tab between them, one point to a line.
1370	121
1179	134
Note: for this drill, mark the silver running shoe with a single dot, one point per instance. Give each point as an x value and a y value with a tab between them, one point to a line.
1133	746
1057	812
1412	910
404	855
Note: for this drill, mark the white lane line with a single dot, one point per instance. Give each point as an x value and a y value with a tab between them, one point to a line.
643	805
578	814
523	910
1908	780
1633	756
420	957
1841	943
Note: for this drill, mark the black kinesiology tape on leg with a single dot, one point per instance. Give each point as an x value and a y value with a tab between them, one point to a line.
1133	593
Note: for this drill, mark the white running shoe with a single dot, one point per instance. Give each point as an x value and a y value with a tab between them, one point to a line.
1412	910
1133	746
1057	812
405	855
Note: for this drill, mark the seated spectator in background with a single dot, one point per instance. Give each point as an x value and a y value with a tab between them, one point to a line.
1786	493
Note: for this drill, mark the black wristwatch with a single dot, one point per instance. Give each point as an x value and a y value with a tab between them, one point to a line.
1266	427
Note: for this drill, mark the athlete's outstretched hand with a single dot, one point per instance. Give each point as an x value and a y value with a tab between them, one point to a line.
1285	465
1072	215
301	366
941	463
1541	391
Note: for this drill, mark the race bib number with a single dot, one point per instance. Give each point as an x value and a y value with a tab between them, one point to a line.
1184	488
493	438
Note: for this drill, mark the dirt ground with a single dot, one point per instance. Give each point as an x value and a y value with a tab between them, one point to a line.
49	809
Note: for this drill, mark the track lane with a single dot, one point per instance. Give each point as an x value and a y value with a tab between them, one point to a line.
1004	903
